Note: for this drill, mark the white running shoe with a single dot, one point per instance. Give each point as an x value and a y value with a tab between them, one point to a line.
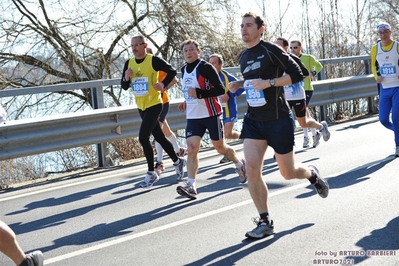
179	167
188	191
316	139
149	180
35	258
326	134
262	229
305	142
242	172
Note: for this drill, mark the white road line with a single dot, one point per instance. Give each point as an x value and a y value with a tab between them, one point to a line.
165	227
61	187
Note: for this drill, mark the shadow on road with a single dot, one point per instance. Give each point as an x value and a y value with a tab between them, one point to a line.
352	177
384	241
106	231
235	253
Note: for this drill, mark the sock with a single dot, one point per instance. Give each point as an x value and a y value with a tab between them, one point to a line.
159	150
305	132
191	181
313	131
238	164
313	178
265	217
173	140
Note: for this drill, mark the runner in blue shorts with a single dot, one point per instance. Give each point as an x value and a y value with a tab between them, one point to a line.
228	100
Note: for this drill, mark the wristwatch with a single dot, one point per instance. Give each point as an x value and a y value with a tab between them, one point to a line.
272	82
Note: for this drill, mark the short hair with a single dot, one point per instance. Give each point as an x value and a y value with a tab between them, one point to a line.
141	37
298	41
190	41
258	19
285	41
219	57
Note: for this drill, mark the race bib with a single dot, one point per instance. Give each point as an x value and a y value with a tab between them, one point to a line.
140	86
388	70
254	97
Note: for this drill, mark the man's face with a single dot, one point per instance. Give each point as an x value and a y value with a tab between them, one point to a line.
295	48
249	30
138	48
215	62
384	34
190	52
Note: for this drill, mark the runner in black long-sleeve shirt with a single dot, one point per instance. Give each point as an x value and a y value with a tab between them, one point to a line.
268	121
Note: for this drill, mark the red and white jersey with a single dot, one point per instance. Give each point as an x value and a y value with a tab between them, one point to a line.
199	108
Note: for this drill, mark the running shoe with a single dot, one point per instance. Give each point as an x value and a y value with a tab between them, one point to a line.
305	142
242	172
224	160
316	139
187	190
326	134
149	180
263	229
35	258
179	167
321	184
159	167
182	152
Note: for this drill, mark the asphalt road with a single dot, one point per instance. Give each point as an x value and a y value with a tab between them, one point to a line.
104	218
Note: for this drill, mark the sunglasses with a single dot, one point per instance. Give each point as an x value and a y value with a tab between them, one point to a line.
294	47
383	32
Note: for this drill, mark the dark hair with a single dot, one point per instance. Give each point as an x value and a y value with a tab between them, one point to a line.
190	41
297	41
285	41
219	57
149	50
258	19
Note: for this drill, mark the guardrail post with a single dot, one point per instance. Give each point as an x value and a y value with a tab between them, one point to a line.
97	98
370	100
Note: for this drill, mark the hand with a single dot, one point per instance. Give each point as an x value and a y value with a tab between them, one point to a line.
379	79
159	86
192	93
182	106
224	98
260	84
128	74
235	85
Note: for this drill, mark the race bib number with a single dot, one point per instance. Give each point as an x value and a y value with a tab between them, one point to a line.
254	97
388	70
140	86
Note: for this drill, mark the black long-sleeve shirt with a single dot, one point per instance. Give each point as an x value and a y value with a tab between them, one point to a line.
266	61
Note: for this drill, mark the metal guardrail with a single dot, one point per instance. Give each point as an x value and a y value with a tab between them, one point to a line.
26	137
